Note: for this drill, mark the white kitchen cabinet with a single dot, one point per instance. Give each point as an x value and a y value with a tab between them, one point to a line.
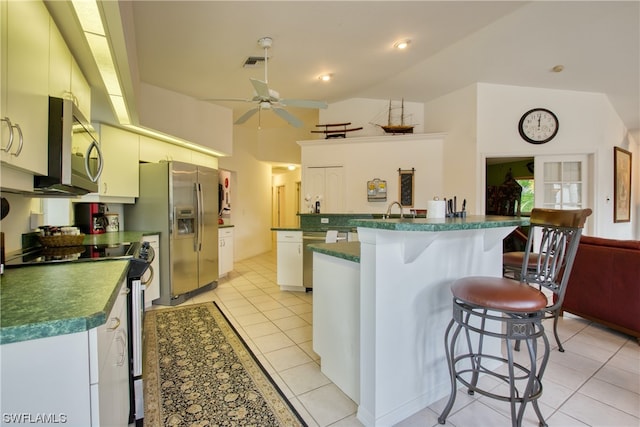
24	34
151	278
80	90
65	77
112	382
120	176
289	260
75	379
153	151
225	250
328	183
59	63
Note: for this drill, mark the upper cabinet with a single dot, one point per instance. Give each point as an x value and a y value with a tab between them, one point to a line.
24	35
120	174
65	77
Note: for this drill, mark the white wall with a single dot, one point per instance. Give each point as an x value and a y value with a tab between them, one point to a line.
456	114
289	180
251	201
482	121
588	125
364	112
184	117
366	158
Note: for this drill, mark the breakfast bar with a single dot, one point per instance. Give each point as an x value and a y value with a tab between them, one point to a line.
403	304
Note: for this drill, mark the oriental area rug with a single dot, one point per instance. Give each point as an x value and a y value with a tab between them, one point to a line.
199	372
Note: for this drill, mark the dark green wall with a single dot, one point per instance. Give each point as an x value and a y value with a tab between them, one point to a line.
496	173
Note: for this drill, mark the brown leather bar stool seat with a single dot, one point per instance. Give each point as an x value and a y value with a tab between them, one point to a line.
486	308
498	293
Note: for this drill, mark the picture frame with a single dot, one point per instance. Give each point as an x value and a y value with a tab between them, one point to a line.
406	187
621	185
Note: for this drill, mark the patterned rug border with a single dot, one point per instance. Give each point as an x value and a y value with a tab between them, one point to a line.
151	373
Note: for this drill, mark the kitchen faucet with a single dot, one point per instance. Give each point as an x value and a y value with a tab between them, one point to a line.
389	210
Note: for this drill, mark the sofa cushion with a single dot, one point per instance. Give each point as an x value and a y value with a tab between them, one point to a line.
600	241
604	284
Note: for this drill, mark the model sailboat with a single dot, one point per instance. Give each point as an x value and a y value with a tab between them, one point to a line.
392	125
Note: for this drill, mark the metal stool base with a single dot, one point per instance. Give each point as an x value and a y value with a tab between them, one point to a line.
524	382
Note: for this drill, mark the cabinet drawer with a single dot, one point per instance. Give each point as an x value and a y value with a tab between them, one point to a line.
225	232
105	335
289	236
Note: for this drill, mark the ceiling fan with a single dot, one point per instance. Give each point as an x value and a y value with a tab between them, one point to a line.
268	99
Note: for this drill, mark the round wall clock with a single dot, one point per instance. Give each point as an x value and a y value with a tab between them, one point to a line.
538	126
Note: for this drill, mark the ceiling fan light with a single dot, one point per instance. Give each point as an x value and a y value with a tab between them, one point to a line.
402	44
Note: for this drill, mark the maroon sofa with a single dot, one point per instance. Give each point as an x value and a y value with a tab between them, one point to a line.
604	285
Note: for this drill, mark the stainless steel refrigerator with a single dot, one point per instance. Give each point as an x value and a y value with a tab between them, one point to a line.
179	200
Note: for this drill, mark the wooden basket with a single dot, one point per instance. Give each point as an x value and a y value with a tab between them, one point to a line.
61	241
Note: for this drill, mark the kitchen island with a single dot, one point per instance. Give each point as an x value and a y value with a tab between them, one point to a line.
404	305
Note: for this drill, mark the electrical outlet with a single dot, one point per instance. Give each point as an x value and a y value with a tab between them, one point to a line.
324	220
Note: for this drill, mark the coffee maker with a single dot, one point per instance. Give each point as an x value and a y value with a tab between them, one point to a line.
91	218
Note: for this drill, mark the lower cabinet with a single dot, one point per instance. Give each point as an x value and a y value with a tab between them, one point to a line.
225	250
79	379
289	260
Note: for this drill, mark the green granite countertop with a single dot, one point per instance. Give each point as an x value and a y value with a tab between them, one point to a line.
349	251
56	299
472	222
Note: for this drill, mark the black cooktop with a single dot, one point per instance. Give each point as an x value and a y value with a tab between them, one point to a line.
42	255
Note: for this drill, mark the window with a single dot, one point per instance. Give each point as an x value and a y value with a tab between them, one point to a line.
527	200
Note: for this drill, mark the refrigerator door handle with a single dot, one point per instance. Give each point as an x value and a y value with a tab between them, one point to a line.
196	228
199	210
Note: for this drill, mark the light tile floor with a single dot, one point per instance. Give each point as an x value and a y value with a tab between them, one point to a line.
595	382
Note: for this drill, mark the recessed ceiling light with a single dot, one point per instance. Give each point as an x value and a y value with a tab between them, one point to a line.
325	77
558	68
402	44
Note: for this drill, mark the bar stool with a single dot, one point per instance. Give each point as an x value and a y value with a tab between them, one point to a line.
512	310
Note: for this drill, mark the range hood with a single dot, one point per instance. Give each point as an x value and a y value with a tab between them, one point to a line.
74	158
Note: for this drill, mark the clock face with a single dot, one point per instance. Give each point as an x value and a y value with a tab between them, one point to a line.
538	126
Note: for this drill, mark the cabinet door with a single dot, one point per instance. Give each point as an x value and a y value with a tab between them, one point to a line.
334	190
120	176
80	90
225	252
289	268
26	86
59	64
326	182
289	259
113	384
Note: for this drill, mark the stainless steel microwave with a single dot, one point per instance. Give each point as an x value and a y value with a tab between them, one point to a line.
75	161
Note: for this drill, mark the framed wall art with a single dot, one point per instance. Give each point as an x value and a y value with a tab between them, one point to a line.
621	185
406	187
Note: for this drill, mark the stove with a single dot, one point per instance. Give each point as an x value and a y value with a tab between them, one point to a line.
41	255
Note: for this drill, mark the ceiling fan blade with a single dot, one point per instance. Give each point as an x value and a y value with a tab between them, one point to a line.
290	118
246	116
261	88
304	103
227	99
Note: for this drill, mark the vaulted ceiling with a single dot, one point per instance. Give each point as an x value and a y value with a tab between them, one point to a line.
198	48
